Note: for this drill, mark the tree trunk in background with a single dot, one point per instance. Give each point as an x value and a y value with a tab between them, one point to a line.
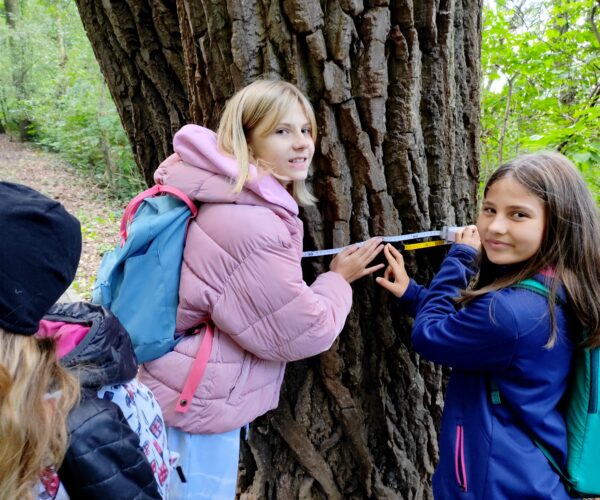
138	46
19	65
395	86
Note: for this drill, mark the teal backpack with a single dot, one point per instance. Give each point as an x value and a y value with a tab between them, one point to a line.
138	281
582	475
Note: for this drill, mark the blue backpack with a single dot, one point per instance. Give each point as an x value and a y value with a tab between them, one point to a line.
138	281
582	473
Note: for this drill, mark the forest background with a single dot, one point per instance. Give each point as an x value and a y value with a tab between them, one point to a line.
540	86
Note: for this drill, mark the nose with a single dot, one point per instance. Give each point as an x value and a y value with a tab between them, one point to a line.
301	140
498	224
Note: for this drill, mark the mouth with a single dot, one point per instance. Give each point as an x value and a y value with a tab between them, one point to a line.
496	244
300	162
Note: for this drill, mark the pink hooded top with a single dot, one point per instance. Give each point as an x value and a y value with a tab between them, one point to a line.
241	266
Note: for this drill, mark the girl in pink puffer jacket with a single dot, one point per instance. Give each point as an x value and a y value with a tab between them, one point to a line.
241	267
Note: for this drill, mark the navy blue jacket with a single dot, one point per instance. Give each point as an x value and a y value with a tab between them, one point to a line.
486	450
104	459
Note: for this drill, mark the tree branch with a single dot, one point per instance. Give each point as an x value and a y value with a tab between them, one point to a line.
593	22
505	119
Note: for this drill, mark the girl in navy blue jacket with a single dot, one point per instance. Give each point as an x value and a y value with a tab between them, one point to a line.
538	221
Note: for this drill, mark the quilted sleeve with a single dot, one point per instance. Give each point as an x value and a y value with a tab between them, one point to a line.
268	309
104	459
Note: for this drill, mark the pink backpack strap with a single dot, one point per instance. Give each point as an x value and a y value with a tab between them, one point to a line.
156	190
197	371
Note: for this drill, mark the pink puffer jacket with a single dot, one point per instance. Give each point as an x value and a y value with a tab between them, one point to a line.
242	267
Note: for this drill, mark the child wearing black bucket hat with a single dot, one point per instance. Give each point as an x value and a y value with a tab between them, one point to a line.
57	438
40	246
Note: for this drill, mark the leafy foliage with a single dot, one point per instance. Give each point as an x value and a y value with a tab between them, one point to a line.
55	87
541	87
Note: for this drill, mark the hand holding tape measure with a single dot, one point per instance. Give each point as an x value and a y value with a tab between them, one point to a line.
395	279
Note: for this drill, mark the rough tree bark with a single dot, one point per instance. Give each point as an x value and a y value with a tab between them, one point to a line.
395	85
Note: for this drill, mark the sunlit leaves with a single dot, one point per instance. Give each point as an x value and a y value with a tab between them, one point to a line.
541	81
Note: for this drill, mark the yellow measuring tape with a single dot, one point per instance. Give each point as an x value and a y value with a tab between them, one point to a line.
425	244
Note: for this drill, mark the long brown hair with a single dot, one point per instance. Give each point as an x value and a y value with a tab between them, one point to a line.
33	426
570	244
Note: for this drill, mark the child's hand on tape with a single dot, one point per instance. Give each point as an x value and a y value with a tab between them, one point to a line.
395	279
468	235
352	262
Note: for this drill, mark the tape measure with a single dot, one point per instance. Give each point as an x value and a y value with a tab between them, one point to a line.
446	235
425	244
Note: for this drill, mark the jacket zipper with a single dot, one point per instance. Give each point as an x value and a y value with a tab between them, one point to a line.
459	458
593	408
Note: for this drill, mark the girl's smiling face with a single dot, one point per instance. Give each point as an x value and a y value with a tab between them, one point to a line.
287	150
511	223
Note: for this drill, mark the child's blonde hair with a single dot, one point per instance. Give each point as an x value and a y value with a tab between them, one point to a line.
33	427
261	100
570	244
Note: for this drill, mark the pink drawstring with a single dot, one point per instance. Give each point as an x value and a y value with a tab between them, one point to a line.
457	454
462	459
459	458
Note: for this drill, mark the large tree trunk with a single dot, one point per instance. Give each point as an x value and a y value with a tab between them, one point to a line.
395	86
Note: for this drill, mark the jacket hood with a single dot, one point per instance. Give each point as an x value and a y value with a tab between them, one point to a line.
207	175
101	355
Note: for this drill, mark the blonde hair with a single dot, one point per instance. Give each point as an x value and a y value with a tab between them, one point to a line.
262	100
33	428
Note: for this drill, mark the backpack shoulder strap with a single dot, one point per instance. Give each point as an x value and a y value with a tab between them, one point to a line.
539	288
497	400
197	370
570	485
155	190
533	286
